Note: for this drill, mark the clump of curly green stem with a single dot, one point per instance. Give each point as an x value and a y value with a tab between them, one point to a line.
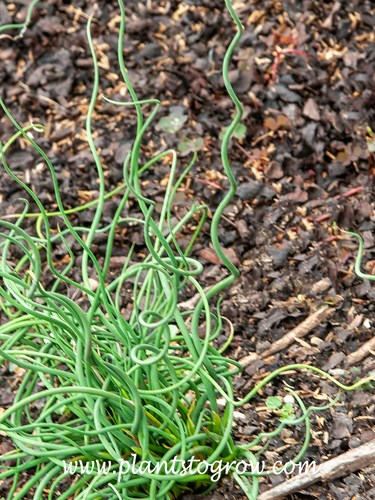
97	386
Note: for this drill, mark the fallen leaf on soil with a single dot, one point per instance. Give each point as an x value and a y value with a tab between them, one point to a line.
274	124
274	170
298	196
210	255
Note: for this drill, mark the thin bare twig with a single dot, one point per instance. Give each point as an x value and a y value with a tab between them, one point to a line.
358	458
362	352
298	332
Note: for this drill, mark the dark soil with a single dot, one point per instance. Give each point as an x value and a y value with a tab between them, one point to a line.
305	73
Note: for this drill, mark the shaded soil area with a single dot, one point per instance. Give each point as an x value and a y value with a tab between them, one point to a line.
305	159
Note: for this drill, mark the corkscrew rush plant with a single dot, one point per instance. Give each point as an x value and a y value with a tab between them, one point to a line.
97	386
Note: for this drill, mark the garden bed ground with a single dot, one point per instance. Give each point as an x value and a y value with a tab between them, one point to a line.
305	73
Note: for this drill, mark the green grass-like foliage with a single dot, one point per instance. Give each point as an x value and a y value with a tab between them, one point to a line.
97	386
